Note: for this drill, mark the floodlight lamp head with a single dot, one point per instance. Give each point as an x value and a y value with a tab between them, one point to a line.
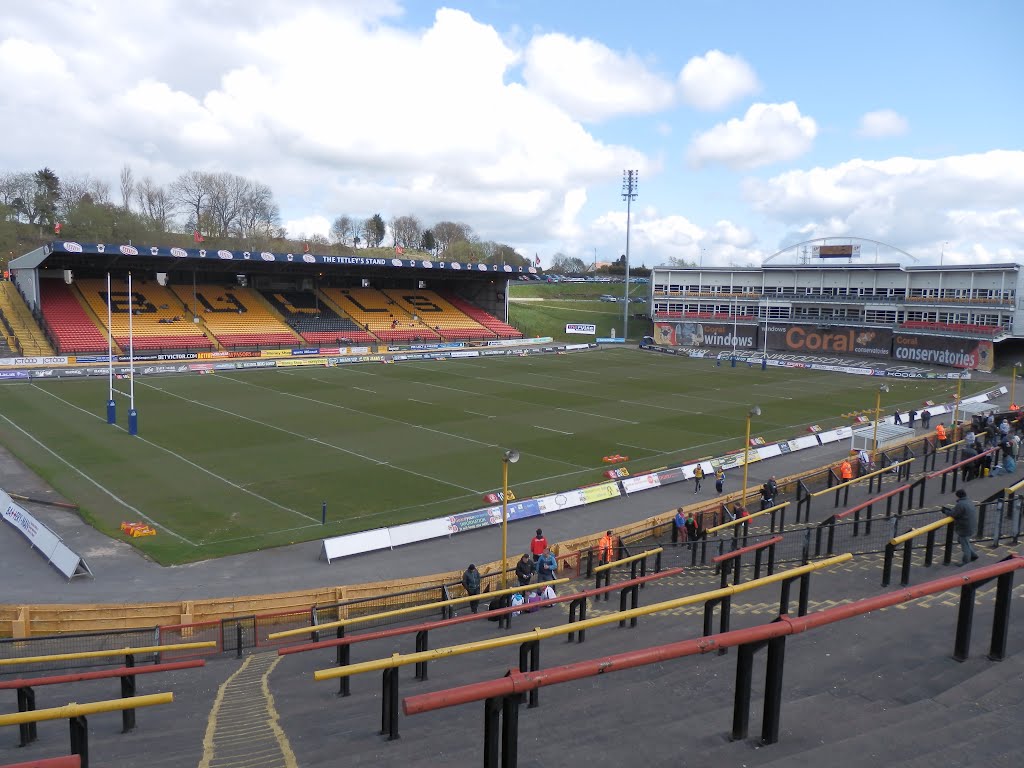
755	411
884	388
1017	364
511	456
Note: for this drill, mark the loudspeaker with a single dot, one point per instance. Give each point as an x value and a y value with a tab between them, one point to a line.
67	276
241	280
366	283
422	284
161	278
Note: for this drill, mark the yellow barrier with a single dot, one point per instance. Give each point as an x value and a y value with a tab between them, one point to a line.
402	611
101	654
864	477
903	537
741	520
1013	488
629	559
92	708
400	660
951	445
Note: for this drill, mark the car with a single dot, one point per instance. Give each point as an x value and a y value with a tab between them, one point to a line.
608	297
639	298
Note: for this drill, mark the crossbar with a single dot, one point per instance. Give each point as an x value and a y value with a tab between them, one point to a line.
745	550
35	682
399	612
750	516
915	532
73	710
441	623
101	654
856	480
630	559
401	660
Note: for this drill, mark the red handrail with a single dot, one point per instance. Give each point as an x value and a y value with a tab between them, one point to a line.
33	682
745	550
68	761
968	460
522	682
872	500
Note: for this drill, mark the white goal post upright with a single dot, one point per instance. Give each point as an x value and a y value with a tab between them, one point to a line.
133	415
111	403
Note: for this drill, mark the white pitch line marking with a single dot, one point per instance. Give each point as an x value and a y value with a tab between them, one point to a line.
421	402
103	488
484	415
597	415
549	429
186	461
362	389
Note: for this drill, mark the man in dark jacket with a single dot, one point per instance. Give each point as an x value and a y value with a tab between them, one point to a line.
965	518
524	570
471	582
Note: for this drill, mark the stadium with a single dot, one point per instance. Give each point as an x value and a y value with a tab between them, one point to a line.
237	466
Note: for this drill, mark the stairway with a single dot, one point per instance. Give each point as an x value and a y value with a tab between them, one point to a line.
26	329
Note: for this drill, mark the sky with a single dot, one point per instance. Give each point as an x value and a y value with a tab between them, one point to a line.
752	125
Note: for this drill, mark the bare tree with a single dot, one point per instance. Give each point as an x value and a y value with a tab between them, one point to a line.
154	204
406	231
226	199
19	193
127	186
259	214
191	191
446	233
342	230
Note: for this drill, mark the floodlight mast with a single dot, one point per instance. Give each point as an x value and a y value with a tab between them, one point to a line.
630	182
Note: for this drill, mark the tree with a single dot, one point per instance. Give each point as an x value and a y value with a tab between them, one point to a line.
406	231
374	231
342	230
191	191
47	193
258	214
227	194
427	242
446	233
155	205
567	265
77	189
127	180
465	251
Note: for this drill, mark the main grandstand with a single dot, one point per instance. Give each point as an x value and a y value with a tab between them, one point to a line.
838	296
191	301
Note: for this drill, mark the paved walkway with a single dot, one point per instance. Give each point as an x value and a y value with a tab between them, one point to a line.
122	574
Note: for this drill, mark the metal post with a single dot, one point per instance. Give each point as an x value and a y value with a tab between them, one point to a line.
630	181
741	698
773	690
964	620
492	718
80	739
1001	619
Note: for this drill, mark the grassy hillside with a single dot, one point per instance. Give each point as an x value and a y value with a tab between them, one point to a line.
544	309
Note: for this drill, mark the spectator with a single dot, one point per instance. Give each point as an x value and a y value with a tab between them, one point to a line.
912	416
896	417
940	434
471	582
533	597
693	531
845	471
606	548
537	545
965	518
926	418
548	594
547	566
524	570
678	527
719	480
698	475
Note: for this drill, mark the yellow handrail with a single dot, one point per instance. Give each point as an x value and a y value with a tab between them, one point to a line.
915	532
864	477
402	611
1013	488
951	445
739	520
101	654
91	708
401	660
629	559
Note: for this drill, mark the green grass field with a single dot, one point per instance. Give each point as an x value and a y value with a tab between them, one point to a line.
544	309
226	463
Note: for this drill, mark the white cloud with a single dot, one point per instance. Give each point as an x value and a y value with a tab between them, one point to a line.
438	127
715	80
767	133
882	123
307	226
914	204
591	81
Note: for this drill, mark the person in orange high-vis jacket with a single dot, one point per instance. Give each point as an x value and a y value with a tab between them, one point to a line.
940	434
606	548
846	470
